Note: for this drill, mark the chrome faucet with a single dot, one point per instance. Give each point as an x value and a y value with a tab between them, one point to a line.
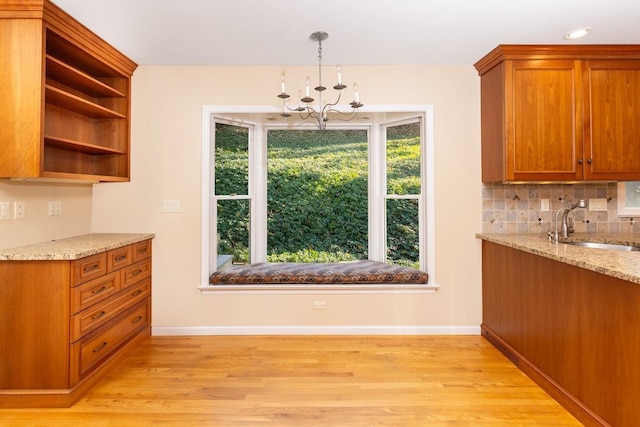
565	229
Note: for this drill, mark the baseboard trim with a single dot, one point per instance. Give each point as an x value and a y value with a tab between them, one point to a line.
561	395
315	330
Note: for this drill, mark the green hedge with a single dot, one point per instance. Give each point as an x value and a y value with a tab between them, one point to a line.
316	193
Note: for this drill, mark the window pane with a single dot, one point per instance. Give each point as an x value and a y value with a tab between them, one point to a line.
317	195
233	230
403	245
403	159
231	160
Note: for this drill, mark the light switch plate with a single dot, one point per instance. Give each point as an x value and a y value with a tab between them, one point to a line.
171	206
544	205
5	210
598	204
55	208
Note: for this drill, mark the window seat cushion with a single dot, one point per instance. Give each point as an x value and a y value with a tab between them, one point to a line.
355	272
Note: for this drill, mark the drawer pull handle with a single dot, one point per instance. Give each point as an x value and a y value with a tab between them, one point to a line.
142	250
136	293
99	315
121	258
91	268
100	347
137	319
135	273
99	290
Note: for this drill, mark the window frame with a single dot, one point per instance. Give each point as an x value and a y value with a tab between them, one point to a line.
251	190
258	184
421	198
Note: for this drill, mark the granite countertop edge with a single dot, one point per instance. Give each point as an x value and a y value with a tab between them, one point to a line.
620	264
72	248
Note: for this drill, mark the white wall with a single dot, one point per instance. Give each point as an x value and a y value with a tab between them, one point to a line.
166	158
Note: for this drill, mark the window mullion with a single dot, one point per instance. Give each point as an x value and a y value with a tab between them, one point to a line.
258	186
376	195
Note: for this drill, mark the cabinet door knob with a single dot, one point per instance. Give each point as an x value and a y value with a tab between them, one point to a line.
590	161
580	161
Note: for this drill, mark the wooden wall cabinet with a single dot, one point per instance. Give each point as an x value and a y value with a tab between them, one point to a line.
64	324
65	97
560	113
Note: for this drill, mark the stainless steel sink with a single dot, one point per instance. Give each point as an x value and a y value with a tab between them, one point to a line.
612	246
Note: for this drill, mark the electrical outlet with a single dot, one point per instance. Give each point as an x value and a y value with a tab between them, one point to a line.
5	210
18	210
319	305
55	208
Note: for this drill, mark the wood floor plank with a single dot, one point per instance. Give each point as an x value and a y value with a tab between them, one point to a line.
309	381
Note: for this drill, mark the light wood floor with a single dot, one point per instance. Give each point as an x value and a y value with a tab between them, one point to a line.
303	381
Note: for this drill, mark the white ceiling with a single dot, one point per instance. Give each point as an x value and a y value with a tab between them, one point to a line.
361	32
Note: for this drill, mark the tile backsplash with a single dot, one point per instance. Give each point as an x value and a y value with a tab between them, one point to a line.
515	208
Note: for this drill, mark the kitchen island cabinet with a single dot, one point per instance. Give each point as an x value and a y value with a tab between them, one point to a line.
560	113
69	311
573	330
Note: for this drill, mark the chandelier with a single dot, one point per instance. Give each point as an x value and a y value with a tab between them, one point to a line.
319	113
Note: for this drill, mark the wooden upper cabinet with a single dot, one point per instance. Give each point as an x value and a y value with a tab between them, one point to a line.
543	130
65	97
560	113
612	138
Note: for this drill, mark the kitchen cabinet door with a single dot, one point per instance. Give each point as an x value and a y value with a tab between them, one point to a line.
543	120
612	125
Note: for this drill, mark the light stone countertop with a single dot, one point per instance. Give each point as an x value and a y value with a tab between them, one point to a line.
620	264
73	247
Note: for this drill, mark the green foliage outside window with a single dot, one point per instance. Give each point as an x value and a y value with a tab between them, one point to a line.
318	194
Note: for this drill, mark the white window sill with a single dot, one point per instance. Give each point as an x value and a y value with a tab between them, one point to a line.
301	288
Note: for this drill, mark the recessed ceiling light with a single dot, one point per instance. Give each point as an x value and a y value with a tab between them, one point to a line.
577	33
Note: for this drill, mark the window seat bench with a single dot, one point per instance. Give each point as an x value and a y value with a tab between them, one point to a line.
363	272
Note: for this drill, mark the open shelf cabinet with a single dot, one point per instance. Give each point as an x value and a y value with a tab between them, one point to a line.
71	93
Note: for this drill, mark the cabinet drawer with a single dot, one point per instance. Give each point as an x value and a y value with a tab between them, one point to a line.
87	268
92	351
97	315
94	291
120	257
136	272
141	250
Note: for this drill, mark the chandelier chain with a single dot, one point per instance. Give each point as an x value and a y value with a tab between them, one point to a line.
320	67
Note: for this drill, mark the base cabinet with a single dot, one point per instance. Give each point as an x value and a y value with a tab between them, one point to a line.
66	323
573	331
